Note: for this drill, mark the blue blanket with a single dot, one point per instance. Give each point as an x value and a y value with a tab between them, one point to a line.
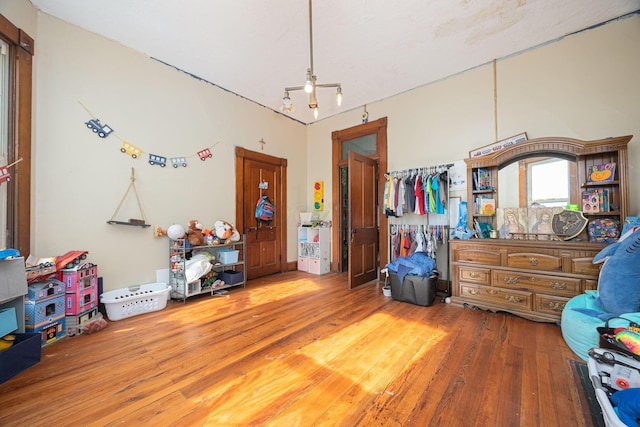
418	264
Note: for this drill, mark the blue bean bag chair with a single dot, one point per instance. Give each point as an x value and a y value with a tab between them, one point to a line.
618	295
578	322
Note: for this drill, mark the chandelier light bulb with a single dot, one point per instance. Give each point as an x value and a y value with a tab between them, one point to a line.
339	96
308	85
315	113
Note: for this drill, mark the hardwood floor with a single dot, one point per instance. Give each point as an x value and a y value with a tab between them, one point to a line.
301	350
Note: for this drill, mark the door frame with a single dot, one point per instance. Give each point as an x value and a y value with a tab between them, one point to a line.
280	219
378	127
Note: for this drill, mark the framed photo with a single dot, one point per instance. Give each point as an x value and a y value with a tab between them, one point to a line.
497	146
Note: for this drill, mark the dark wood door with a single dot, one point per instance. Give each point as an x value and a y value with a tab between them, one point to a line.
363	224
258	175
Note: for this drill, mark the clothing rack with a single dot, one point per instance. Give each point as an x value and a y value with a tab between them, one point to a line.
442	231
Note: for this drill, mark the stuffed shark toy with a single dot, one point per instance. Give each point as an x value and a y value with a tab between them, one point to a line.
619	281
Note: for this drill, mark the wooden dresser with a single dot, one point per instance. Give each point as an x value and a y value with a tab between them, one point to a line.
532	279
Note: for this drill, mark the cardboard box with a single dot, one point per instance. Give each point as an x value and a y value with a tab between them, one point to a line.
82	301
50	332
41	312
45	289
417	290
77	280
24	352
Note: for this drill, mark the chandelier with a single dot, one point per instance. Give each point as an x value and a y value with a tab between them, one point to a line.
311	83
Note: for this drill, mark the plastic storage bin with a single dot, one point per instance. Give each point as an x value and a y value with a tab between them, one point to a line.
134	300
228	256
25	352
417	290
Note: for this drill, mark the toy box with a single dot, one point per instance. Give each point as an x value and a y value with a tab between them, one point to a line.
74	323
81	278
419	290
45	289
8	321
49	332
37	313
228	256
25	352
231	277
134	300
81	301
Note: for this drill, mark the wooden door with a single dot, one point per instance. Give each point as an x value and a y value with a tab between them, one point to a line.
363	225
257	175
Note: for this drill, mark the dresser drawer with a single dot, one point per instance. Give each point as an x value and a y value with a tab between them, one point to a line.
495	295
555	285
534	261
590	284
480	256
585	266
475	275
549	304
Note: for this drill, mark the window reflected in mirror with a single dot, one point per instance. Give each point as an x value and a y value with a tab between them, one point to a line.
539	181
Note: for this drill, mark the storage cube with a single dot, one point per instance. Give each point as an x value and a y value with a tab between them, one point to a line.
81	278
417	290
231	277
50	332
228	256
45	289
25	352
8	321
13	282
44	311
81	301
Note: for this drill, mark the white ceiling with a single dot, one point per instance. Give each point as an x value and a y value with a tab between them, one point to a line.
374	48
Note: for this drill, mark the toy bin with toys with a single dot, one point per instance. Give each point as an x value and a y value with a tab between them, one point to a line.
135	300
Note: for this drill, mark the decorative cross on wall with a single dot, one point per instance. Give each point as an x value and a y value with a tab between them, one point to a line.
262	141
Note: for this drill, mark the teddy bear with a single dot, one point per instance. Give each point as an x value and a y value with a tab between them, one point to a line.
225	232
194	233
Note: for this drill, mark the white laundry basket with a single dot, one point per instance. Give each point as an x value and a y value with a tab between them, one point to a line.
134	300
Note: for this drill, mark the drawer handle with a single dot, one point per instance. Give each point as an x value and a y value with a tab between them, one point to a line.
474	275
556	306
512	298
533	261
474	291
492	291
558	286
511	280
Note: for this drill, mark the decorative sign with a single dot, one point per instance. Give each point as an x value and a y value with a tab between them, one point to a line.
497	146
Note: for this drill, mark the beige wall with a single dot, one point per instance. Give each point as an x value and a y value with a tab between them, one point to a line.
79	178
583	86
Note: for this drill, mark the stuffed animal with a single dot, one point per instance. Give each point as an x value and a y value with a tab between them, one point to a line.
225	232
618	290
194	233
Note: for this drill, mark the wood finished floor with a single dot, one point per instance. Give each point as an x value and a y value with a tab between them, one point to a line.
301	350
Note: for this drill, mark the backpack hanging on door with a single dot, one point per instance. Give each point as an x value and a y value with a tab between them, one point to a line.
264	210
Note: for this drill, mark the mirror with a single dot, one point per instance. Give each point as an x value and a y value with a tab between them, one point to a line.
536	181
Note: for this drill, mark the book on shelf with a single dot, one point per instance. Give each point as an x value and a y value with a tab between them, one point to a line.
487	206
484	179
590	201
604	172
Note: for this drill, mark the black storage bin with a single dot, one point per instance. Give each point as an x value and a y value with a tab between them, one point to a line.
419	290
24	352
